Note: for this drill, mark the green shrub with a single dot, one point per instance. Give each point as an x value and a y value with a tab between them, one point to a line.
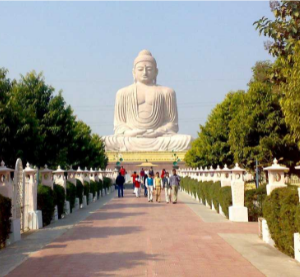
183	183
99	187
206	192
215	194
225	199
280	210
59	199
5	214
93	188
201	193
106	183
86	190
79	190
297	219
45	203
253	201
71	194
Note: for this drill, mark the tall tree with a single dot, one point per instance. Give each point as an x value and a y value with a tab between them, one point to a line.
290	100
284	30
40	128
211	147
259	130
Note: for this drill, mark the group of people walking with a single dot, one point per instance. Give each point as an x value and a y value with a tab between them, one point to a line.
153	184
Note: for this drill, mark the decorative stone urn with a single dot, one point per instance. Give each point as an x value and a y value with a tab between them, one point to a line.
276	176
47	179
6	186
225	176
35	220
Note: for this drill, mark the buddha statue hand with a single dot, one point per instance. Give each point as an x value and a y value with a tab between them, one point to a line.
152	134
134	133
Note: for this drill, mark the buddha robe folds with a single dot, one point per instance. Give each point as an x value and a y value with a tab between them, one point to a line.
163	118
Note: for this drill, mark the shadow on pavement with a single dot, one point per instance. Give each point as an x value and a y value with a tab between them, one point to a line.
88	232
104	215
114	206
86	264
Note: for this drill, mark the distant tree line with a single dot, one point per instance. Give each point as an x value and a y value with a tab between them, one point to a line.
264	121
40	128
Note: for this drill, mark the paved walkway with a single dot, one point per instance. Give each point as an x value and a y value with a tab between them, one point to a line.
131	237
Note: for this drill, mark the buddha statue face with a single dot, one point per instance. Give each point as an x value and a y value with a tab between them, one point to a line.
145	72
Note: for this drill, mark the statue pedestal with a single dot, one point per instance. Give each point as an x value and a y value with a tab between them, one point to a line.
77	205
84	202
35	220
15	229
238	214
266	236
55	215
90	198
67	207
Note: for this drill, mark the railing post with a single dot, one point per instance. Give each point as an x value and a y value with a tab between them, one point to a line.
238	212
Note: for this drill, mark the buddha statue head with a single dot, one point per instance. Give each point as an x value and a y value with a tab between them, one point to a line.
145	69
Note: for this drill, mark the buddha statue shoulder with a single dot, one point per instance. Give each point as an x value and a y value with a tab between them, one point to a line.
146	116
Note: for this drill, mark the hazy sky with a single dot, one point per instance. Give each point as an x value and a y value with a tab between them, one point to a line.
203	51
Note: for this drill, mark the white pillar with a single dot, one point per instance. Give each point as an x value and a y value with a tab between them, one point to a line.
6	189
238	212
30	205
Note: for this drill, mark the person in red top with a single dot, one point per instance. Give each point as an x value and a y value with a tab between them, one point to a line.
163	173
122	171
133	176
137	185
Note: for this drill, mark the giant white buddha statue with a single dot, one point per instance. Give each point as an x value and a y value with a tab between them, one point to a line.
146	117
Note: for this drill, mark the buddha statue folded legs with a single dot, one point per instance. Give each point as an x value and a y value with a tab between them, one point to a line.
146	117
176	142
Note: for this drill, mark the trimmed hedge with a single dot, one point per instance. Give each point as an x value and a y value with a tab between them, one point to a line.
281	210
93	188
107	182
99	187
86	190
225	199
59	199
254	199
71	194
79	190
207	191
45	203
5	215
214	193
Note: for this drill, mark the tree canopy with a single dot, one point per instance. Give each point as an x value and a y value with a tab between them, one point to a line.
246	126
41	128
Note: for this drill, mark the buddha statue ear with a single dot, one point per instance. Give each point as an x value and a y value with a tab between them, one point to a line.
134	79
154	81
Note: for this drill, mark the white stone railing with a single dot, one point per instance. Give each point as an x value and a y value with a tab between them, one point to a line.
22	190
228	177
236	177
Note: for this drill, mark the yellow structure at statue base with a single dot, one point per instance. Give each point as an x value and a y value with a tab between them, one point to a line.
159	156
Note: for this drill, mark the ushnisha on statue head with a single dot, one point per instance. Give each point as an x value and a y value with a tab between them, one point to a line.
145	69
